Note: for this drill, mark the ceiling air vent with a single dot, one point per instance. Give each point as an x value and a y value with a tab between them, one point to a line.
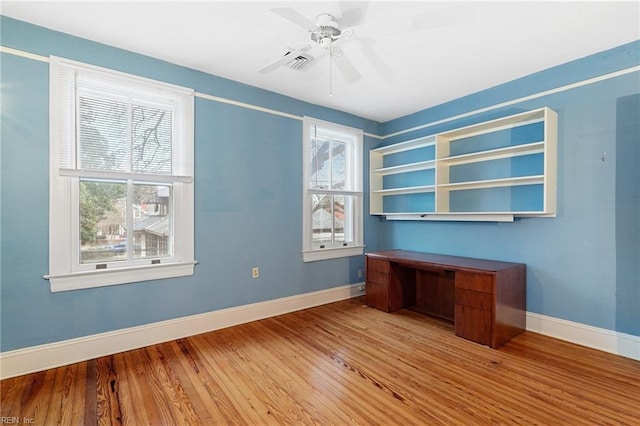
299	61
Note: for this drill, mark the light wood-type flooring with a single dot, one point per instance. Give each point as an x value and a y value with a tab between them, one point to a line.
337	364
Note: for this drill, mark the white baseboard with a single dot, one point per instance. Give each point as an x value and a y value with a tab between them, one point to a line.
37	358
622	344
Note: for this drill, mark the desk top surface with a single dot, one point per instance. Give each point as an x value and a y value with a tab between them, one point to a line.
441	260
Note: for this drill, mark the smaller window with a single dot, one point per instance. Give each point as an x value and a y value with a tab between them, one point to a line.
332	221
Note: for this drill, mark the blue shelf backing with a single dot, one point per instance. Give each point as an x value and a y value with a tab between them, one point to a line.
408	179
524	198
425	153
410	203
528	133
525	165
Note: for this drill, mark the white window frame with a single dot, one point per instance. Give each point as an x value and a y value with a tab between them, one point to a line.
313	252
65	270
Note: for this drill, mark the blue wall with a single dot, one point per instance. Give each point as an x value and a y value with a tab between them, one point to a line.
582	265
248	201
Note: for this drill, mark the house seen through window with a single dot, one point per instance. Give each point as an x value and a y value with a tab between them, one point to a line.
104	215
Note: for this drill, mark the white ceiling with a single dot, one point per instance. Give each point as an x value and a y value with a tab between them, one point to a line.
433	52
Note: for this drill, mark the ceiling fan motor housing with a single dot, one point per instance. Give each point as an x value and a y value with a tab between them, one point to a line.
327	30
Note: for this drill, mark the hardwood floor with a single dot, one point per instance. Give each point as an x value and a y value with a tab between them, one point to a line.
341	363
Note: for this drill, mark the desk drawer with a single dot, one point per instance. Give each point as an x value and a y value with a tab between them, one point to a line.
377	265
377	296
474	299
474	324
378	277
477	281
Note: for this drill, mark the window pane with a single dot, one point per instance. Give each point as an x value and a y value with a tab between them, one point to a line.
320	166
332	216
103	134
338	218
102	221
151	139
322	218
338	165
151	221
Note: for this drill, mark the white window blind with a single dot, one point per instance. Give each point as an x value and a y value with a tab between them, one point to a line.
111	123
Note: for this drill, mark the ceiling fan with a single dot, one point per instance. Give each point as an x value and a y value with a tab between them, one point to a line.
329	33
326	33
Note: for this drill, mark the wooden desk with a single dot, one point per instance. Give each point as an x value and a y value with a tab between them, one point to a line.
485	299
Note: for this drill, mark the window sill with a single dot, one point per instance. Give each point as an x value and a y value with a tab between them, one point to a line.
331	253
107	277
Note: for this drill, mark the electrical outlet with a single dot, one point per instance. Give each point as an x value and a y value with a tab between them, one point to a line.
255	272
359	273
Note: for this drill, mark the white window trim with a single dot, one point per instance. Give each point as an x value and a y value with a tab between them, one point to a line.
64	273
309	253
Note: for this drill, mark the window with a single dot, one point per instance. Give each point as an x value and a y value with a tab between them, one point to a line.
121	173
332	196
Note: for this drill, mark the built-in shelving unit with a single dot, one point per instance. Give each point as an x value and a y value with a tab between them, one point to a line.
491	171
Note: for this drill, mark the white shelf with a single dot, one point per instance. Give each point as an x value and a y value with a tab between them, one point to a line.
458	217
539	140
406	190
404	168
517	120
493	183
494	154
406	146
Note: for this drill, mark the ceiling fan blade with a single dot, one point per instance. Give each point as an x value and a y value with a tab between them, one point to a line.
346	68
294	16
288	57
353	13
369	51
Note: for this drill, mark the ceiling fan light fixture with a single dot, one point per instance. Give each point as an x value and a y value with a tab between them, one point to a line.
325	42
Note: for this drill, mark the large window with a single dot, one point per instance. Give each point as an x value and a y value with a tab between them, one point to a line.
121	193
332	191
